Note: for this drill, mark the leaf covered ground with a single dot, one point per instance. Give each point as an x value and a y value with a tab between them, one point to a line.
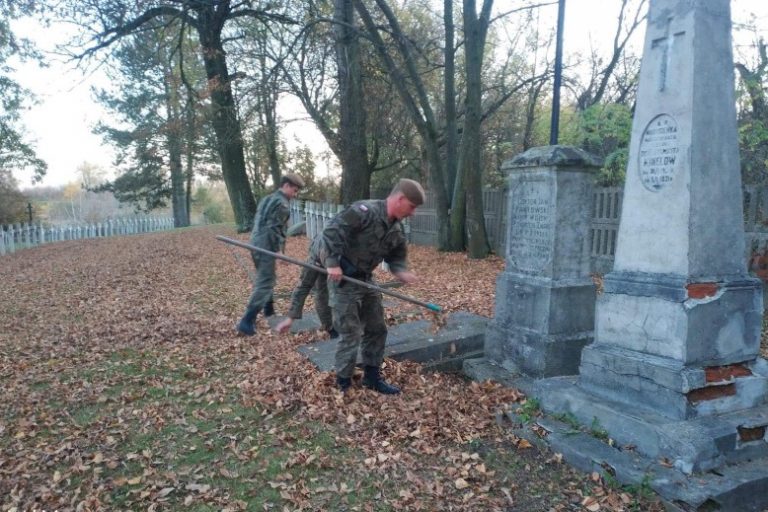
125	388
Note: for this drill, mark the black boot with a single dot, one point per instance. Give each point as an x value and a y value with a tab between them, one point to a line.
269	308
372	380
343	383
246	324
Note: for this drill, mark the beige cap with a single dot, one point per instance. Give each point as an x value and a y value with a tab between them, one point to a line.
412	190
293	179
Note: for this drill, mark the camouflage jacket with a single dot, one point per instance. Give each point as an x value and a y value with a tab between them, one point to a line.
270	222
363	235
317	251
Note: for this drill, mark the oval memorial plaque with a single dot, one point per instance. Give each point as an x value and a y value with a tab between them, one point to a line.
658	153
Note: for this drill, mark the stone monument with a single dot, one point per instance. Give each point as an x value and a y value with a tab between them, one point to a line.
674	369
545	297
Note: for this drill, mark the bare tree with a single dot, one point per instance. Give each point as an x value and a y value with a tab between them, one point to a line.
631	16
407	66
109	22
413	93
753	79
753	116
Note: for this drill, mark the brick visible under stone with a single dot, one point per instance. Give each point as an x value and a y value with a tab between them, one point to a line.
726	373
751	434
701	290
711	393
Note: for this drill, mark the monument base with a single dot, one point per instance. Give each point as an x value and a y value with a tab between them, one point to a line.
709	323
666	387
678	349
541	324
536	355
694	445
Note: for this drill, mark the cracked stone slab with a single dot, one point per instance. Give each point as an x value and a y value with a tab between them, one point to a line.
461	337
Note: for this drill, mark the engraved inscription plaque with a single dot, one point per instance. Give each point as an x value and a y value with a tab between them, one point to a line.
657	158
531	229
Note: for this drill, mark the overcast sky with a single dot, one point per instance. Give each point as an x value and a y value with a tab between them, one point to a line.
65	113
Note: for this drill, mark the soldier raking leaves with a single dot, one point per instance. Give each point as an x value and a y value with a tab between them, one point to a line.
357	240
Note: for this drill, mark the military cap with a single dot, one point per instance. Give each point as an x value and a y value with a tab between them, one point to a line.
412	191
293	179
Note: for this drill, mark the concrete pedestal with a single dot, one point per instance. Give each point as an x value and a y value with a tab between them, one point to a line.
545	297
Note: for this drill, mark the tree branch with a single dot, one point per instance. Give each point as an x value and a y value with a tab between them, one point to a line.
110	35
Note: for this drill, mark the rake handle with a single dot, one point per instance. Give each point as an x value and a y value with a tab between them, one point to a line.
253	248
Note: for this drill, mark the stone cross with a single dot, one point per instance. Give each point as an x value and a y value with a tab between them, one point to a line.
665	43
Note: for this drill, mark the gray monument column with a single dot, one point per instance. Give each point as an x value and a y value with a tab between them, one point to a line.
679	305
545	297
674	368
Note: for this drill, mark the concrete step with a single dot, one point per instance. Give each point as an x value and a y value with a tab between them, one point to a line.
733	487
462	337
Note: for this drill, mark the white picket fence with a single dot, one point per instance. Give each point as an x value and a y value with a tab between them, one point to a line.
19	236
317	215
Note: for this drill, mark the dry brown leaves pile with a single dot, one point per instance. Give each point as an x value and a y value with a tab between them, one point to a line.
106	341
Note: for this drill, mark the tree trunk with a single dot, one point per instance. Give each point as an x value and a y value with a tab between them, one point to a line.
226	125
455	183
475	29
268	91
190	126
458	221
173	135
355	172
530	113
434	165
188	188
450	93
270	115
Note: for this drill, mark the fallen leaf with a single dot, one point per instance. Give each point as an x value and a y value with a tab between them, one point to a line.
201	488
524	444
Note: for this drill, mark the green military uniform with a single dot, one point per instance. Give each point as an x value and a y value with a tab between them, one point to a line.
358	239
311	278
269	225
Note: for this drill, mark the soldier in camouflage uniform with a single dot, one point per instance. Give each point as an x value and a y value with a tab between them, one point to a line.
357	240
269	226
308	280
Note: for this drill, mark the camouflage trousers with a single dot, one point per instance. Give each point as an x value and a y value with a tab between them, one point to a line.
264	283
308	280
358	316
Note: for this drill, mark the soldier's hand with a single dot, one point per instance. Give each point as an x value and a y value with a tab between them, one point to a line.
284	326
406	276
334	274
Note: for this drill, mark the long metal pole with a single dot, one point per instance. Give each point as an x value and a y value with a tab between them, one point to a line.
554	126
428	305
